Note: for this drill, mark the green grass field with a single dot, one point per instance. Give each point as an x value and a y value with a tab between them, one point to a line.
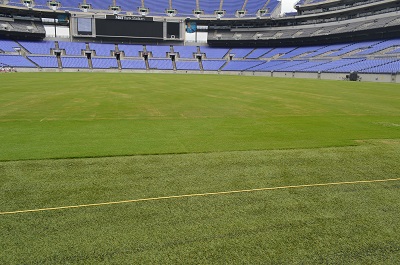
81	138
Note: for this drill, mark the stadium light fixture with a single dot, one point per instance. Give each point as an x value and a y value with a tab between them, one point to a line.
219	13
115	9
198	13
85	7
53	5
171	12
143	11
261	12
28	3
240	13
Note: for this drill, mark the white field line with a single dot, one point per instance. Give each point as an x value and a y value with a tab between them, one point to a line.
200	194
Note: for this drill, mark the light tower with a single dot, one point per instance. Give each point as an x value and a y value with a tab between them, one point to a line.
84	6
116	9
143	10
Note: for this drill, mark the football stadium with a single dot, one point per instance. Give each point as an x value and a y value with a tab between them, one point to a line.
199	132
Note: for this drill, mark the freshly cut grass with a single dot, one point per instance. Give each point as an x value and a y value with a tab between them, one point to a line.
60	115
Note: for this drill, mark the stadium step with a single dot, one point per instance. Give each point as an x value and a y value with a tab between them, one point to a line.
173	64
90	63
26	57
59	62
387	50
222	67
201	65
146	61
245	57
119	63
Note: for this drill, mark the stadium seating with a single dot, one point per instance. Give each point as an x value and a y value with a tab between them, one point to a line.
15	61
156	7
158	51
257	53
185	8
354	47
214	53
241	65
160	64
185	51
278	51
285	67
133	64
102	49
104	63
99	5
305	31
240	52
187	65
361	65
45	61
159	7
267	66
229	6
285	40
72	48
75	62
304	66
38	47
331	66
397	50
326	50
8	46
299	51
391	68
213	65
130	50
254	5
380	46
363	57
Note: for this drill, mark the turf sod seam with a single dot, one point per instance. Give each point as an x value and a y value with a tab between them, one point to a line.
356	142
202	194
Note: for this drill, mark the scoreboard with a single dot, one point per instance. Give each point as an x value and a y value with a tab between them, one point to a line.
129	28
119	26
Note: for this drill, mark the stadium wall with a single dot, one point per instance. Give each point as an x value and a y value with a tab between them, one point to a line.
382	78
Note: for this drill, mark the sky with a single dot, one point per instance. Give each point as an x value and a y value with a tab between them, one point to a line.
287	5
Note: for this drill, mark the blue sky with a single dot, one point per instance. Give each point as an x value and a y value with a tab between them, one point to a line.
287	5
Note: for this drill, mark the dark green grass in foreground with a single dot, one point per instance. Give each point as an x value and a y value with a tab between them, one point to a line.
350	224
58	115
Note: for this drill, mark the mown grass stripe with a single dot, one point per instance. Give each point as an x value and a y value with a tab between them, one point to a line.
201	194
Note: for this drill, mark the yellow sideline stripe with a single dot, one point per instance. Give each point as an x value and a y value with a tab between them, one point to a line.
201	194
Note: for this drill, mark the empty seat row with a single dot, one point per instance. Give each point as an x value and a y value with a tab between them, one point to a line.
360	49
385	65
159	7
